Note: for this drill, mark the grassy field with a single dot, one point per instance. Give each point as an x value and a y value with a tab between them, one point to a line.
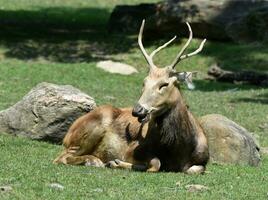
29	58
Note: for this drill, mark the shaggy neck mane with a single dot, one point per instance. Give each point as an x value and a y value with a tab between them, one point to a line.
174	125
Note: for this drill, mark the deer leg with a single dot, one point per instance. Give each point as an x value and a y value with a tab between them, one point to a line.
153	166
94	161
87	160
71	159
196	169
200	156
118	164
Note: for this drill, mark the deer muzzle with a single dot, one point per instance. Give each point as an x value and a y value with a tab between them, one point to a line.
140	112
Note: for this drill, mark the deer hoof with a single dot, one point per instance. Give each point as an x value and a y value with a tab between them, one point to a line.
196	169
112	164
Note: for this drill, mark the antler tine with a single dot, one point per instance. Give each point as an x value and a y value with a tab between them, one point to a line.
162	47
180	56
177	59
147	57
195	52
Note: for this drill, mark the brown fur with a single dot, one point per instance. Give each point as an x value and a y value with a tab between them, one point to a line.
108	133
172	139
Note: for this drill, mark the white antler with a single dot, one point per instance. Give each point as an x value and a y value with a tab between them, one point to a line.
180	55
149	58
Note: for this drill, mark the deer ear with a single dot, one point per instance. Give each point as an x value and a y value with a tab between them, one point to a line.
186	77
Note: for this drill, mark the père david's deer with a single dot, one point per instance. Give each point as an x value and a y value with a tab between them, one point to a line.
159	133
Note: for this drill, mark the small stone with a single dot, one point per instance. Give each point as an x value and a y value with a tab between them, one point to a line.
178	184
264	150
97	190
196	188
5	188
109	97
116	67
264	126
56	186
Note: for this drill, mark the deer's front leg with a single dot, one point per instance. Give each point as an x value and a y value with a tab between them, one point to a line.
196	169
152	166
118	164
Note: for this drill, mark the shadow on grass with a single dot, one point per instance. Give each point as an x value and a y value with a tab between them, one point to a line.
66	50
60	34
209	86
237	57
53	20
73	35
262	99
252	100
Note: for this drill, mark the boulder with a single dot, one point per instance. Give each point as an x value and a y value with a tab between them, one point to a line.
46	112
116	67
127	18
240	20
228	142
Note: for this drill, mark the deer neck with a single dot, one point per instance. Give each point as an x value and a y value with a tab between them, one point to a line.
174	124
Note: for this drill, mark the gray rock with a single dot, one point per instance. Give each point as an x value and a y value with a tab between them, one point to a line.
196	188
46	112
5	188
228	142
116	67
239	20
127	18
56	186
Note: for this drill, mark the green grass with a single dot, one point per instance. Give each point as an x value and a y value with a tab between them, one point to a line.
27	168
28	59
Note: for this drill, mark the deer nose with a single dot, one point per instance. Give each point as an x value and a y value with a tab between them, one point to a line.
139	111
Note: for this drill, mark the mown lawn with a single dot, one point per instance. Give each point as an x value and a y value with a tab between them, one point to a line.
26	166
27	59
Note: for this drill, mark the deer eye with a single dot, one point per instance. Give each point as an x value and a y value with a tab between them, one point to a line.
163	85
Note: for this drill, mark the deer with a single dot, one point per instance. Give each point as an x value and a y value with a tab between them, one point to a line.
158	134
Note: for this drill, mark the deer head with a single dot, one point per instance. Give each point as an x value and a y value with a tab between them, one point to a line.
160	88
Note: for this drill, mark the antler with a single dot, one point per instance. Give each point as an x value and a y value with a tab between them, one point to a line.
149	58
180	56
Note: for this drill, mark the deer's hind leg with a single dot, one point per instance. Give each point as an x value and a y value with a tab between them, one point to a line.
72	159
80	147
73	156
87	160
